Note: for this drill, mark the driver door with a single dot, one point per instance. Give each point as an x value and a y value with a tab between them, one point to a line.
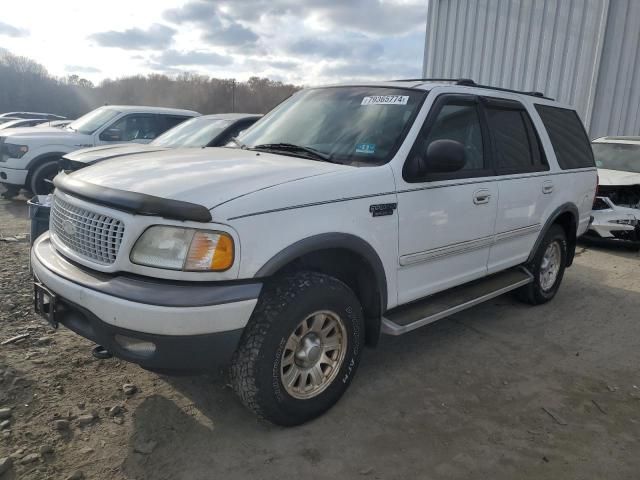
136	128
447	220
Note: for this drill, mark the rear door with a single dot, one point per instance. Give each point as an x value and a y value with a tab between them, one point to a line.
446	220
525	188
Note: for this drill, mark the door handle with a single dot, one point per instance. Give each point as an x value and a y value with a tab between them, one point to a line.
547	187
481	197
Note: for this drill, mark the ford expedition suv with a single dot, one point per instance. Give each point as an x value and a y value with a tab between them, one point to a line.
347	212
29	157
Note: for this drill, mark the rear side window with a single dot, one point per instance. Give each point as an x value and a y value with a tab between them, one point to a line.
516	145
567	135
172	121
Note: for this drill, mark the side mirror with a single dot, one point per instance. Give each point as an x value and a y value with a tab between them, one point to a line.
443	156
111	135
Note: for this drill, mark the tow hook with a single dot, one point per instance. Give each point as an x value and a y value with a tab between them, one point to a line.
101	353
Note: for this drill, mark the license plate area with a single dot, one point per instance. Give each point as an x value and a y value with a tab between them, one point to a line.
45	302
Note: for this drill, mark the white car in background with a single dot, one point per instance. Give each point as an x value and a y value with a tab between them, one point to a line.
616	210
29	156
21	123
214	130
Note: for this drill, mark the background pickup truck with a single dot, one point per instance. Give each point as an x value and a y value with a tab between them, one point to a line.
29	157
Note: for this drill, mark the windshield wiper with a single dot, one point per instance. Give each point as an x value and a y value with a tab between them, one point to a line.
290	147
238	142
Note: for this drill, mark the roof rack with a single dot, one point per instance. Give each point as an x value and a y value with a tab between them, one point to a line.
467	82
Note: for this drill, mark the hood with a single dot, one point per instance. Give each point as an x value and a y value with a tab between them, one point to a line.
93	155
205	176
617	177
40	135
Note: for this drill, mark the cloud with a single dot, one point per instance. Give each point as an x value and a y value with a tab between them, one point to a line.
156	37
232	35
376	17
11	31
217	27
81	69
364	70
171	58
196	12
355	47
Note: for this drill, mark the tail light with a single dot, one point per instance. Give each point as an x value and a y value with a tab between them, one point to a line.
597	187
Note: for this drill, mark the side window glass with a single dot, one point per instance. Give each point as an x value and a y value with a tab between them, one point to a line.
170	122
568	137
459	122
131	128
513	149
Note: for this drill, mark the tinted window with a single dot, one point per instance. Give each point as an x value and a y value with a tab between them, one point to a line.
133	127
171	121
617	156
234	131
197	132
461	123
567	135
516	145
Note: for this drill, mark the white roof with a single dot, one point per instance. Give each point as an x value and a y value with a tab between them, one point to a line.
144	109
426	84
627	140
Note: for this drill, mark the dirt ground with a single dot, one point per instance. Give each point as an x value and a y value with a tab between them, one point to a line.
501	391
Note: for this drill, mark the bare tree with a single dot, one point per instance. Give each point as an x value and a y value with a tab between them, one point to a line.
27	85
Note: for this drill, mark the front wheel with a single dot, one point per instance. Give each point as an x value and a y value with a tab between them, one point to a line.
300	350
42	178
547	267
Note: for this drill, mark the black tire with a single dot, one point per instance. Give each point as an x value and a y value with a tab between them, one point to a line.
11	191
40	182
534	293
256	367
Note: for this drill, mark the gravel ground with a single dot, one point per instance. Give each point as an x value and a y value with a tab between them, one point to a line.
501	391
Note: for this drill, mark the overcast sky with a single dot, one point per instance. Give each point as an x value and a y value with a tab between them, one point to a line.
299	41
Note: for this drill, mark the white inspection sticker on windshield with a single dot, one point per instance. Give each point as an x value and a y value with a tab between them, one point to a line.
385	100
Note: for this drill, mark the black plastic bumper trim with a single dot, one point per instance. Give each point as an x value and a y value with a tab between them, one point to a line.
190	353
133	202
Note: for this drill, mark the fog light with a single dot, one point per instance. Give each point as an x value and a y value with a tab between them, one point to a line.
135	345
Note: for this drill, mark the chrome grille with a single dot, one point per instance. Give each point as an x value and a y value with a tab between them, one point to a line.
91	235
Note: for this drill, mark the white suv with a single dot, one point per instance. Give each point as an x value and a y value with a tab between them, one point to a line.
345	212
29	157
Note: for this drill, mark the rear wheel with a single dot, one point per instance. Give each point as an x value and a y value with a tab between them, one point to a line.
547	267
42	178
300	349
11	191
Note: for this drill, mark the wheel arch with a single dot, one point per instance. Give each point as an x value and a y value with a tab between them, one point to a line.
39	160
347	257
566	215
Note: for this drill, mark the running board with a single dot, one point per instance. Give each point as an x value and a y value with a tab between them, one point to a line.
440	305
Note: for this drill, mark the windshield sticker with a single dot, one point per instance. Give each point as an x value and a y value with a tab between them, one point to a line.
385	100
368	148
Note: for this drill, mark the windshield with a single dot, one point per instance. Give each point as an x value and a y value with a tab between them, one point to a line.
93	120
617	156
363	125
197	132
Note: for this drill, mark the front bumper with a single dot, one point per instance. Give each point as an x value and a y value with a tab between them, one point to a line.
614	222
193	325
13	176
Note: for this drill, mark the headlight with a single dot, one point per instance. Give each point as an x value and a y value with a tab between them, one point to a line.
630	220
187	249
15	151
